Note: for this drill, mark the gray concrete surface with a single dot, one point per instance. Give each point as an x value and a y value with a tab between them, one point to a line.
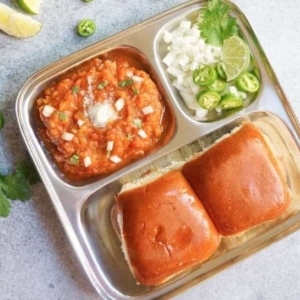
36	259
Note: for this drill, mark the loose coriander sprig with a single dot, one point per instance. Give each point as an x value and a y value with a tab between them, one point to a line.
216	24
15	186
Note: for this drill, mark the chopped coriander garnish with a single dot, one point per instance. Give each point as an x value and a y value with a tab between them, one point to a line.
135	90
75	89
102	85
1	120
125	83
62	116
74	159
137	122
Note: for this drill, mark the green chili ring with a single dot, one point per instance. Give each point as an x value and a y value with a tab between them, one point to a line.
248	82
86	27
204	75
220	71
230	100
208	99
218	85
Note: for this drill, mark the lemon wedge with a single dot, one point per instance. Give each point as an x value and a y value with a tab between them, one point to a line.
235	57
30	6
17	24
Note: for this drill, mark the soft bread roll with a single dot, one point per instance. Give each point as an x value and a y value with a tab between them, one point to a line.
239	181
164	228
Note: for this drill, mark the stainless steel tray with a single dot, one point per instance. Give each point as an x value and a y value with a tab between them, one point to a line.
85	209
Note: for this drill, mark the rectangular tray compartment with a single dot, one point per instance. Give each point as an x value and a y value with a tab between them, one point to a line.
98	219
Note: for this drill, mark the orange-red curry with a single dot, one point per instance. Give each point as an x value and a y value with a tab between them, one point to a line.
101	117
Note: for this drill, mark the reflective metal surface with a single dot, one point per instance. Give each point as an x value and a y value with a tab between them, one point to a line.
85	209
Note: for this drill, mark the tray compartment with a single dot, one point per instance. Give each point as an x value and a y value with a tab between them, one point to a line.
100	229
161	50
139	61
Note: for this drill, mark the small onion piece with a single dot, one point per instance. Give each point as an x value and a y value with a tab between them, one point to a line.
129	73
67	136
87	161
142	133
119	104
80	122
137	79
116	159
110	145
147	110
48	110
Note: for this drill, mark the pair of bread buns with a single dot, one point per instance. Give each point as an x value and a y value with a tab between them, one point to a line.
176	220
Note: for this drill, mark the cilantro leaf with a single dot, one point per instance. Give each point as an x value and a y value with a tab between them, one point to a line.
28	170
14	186
216	25
4	205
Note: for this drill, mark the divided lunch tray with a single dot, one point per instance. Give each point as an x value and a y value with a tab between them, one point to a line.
86	209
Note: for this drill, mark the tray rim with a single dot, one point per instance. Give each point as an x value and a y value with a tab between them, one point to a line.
62	212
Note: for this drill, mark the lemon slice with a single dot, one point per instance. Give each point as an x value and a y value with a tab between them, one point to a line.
235	57
17	24
30	6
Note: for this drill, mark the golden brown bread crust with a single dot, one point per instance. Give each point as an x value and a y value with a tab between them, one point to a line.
165	228
239	181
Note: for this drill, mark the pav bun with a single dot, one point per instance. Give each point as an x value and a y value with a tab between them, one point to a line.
164	228
239	181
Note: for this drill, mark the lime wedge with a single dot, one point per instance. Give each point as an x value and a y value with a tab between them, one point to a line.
235	57
30	6
17	24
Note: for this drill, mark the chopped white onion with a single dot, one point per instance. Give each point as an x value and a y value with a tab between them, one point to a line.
233	90
87	161
116	159
129	73
168	37
142	133
110	145
119	104
48	110
137	78
147	110
67	136
187	51
80	122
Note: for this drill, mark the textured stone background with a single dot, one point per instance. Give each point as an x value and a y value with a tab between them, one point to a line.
36	259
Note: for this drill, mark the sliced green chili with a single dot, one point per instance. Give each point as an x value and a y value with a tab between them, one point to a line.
208	99
86	27
125	83
230	100
204	75
220	71
248	82
218	85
